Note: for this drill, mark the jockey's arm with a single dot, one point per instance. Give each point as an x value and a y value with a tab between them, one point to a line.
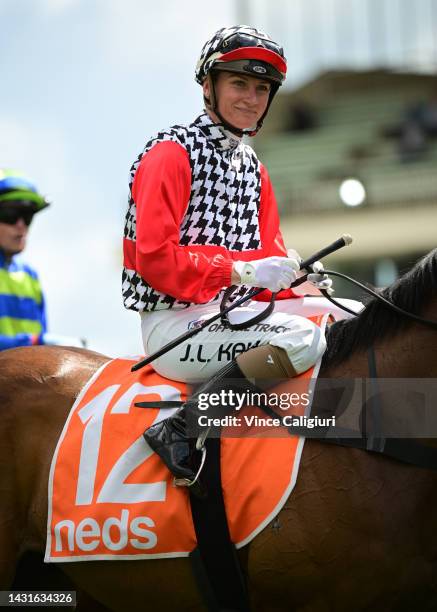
193	273
161	191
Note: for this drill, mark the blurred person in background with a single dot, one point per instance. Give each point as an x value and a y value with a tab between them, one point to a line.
22	306
202	216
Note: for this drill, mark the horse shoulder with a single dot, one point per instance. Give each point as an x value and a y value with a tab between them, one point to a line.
55	367
38	386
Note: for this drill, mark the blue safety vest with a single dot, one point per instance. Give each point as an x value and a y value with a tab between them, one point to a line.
22	308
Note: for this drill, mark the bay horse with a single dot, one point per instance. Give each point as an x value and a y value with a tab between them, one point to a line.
358	533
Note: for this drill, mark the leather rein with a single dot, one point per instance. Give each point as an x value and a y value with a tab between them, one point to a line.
269	309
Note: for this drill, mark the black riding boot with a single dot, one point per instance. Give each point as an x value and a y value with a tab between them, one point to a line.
169	438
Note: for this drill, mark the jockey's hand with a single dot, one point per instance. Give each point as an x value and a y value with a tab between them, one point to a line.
293	254
319	279
274	273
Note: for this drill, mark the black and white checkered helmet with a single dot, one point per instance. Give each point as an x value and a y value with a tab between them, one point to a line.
245	50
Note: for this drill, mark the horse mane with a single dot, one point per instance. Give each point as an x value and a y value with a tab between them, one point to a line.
377	321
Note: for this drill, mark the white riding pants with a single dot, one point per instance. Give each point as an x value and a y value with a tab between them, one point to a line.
207	352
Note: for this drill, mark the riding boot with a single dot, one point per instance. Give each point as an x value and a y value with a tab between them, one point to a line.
174	442
170	441
169	438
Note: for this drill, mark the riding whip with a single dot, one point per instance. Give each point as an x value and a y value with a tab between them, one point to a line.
341	242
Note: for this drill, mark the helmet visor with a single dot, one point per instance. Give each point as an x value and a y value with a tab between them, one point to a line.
255	68
14	196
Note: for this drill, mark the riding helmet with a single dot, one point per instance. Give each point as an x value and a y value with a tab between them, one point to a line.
17	190
244	50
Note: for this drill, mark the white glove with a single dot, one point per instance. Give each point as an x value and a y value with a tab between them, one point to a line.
274	273
319	279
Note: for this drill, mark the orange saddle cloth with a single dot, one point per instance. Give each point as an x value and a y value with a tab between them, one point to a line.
111	497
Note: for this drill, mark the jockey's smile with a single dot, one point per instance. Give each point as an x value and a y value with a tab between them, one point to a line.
242	100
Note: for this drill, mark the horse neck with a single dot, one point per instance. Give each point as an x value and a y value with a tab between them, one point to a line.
409	354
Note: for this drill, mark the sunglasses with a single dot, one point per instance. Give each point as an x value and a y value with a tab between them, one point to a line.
10	216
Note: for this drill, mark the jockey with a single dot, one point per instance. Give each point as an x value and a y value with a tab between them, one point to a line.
202	216
22	307
22	304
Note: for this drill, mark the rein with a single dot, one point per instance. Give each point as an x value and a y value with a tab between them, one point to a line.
305	264
405	313
269	309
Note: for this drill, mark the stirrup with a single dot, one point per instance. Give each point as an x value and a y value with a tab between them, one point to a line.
200	442
186	482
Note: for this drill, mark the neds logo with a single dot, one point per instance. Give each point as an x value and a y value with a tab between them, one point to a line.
115	533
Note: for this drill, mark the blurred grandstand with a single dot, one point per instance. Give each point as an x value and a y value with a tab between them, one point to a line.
375	124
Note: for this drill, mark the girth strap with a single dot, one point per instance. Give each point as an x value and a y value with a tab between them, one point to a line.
215	562
400	449
403	450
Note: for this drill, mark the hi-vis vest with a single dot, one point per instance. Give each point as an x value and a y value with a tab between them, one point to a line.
22	309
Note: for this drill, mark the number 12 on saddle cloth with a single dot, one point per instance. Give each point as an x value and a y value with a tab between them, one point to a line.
111	497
